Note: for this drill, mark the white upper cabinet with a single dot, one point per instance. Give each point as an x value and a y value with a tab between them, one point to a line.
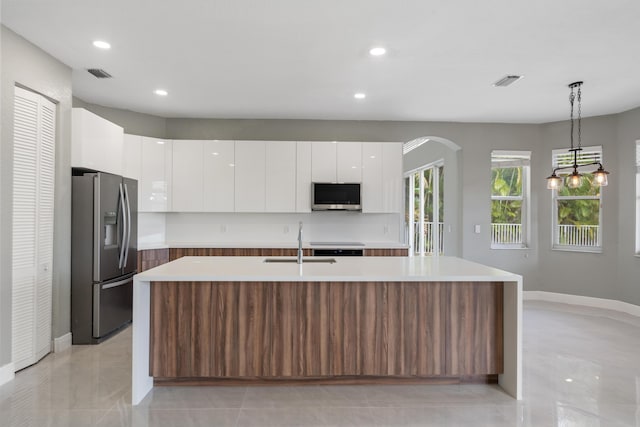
349	162
336	161
381	177
280	176
392	181
250	176
219	169
132	156
187	179
372	178
154	188
96	143
323	161
303	177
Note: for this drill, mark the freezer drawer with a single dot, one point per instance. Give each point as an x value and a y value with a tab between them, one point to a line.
112	305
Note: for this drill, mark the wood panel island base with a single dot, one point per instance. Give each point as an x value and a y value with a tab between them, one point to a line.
239	320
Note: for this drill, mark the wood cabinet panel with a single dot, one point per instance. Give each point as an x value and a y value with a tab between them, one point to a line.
417	332
150	258
474	328
311	329
175	253
387	252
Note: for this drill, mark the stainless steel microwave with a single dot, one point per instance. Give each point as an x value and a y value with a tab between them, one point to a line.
335	197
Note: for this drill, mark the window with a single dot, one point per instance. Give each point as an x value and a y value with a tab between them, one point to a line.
509	199
638	198
577	212
424	209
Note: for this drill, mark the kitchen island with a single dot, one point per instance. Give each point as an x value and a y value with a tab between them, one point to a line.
219	320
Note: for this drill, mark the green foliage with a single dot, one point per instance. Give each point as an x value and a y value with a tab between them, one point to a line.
506	182
581	211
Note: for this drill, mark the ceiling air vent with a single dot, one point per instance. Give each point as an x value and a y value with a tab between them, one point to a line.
99	73
507	80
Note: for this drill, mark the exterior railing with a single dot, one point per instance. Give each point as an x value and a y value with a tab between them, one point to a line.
506	234
568	235
579	235
428	237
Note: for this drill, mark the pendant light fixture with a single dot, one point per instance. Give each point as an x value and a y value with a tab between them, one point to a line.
574	179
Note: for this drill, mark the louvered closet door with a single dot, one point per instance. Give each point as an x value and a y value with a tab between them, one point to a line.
33	197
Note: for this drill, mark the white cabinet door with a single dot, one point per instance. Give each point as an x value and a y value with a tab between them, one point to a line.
250	176
349	162
323	161
392	181
372	181
280	176
154	188
187	176
96	143
132	156
303	177
218	186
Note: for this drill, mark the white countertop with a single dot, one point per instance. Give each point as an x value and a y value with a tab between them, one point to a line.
346	269
287	244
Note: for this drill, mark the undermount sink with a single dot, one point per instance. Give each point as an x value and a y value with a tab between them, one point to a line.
304	260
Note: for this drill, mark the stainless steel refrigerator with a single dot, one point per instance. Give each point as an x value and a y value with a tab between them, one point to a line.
103	254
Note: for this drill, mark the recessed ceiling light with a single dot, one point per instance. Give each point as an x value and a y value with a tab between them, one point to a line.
160	142
377	51
101	44
214	153
360	95
569	380
161	92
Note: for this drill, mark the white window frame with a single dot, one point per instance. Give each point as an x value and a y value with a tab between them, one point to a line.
590	154
637	252
511	158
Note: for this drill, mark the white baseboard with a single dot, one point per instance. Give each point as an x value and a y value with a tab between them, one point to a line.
62	343
7	373
608	304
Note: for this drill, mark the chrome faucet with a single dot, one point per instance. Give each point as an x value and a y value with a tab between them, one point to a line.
300	242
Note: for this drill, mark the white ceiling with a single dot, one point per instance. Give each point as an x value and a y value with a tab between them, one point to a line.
304	59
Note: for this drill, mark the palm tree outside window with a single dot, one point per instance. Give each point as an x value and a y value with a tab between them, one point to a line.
510	199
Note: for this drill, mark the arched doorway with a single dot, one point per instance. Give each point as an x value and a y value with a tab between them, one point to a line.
432	196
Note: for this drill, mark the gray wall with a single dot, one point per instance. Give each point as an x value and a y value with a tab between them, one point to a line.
132	122
587	274
628	266
26	65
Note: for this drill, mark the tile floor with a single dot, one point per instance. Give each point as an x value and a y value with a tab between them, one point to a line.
581	368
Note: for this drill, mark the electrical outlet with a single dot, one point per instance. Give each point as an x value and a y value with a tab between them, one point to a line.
386	229
286	229
223	228
476	229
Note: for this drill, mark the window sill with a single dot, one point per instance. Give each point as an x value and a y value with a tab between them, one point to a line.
503	247
577	249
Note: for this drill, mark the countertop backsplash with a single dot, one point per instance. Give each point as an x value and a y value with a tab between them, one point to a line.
257	229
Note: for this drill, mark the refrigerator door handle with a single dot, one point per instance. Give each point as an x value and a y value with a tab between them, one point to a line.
124	229
128	229
116	284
